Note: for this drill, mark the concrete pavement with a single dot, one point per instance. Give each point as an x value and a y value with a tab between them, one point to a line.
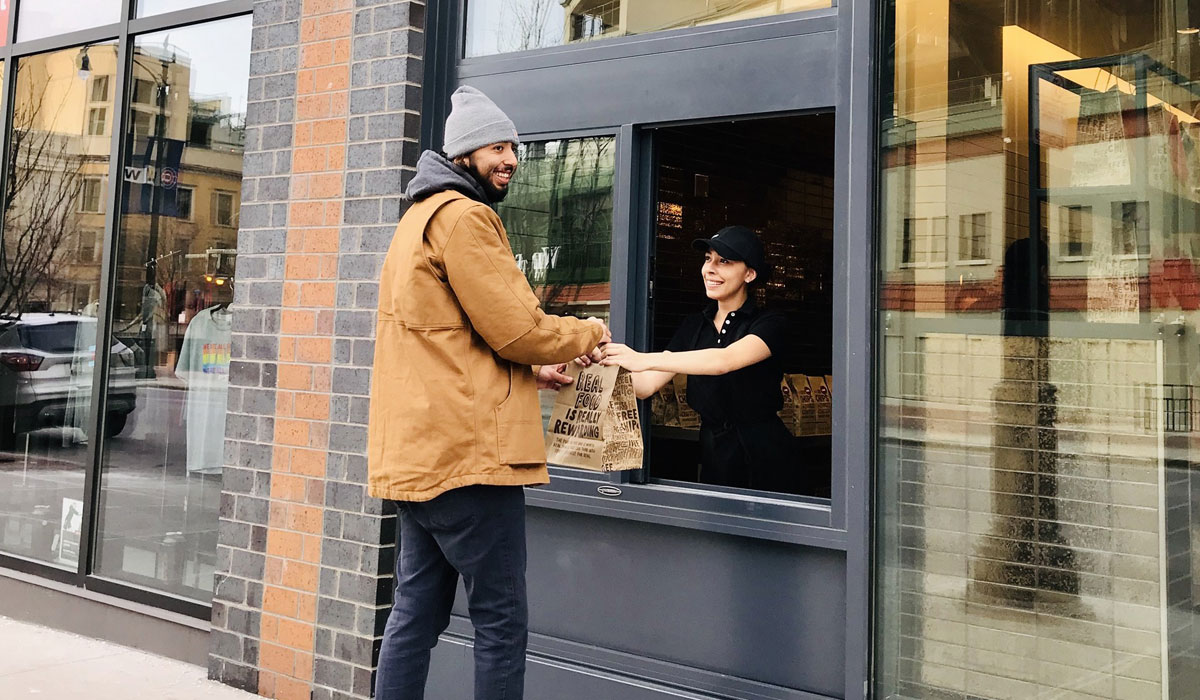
38	662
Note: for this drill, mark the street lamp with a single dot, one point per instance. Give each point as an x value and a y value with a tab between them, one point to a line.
85	64
150	292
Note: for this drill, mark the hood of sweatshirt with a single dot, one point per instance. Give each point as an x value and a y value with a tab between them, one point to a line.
437	174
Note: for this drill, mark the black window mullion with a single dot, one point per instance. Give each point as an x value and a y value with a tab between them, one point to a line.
81	37
192	15
112	225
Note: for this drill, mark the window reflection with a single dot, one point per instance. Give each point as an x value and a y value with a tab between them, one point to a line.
501	26
175	264
49	291
1036	394
558	215
43	18
146	8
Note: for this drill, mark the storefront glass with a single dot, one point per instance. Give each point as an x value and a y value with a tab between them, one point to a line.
1039	335
146	8
559	215
161	478
501	26
49	287
42	18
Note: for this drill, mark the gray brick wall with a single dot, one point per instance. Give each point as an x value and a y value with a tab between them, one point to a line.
237	601
354	589
383	131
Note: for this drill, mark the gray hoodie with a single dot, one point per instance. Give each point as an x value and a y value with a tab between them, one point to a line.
437	174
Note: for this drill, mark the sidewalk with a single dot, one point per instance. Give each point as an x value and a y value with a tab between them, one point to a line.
38	662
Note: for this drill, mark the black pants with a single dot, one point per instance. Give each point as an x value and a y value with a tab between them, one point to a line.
747	455
478	532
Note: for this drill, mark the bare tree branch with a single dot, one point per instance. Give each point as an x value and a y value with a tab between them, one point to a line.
40	201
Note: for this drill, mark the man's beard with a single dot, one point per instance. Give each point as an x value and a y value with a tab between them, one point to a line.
494	194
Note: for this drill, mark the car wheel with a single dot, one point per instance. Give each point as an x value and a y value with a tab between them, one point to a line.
114	423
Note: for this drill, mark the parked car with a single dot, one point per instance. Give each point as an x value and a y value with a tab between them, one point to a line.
46	369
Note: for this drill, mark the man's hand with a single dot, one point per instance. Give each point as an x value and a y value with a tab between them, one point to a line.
552	377
597	353
607	338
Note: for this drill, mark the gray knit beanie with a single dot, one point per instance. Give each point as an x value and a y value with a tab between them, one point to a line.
474	122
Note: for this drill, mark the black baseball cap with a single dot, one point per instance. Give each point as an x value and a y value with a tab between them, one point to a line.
736	243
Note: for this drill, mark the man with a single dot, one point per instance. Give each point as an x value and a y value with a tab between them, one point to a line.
455	427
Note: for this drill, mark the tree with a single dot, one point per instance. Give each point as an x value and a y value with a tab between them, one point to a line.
41	192
532	24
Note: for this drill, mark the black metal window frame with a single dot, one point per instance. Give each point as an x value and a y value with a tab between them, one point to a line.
124	33
850	62
843	524
776	517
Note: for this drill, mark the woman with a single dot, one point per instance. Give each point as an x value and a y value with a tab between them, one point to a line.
730	352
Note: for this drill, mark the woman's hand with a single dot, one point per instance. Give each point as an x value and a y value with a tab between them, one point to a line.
625	356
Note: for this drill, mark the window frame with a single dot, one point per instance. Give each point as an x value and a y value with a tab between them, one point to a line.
841	41
97	116
191	217
106	81
82	208
758	514
123	34
972	258
214	212
549	55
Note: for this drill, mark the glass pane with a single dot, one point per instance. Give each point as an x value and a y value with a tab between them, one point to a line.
157	7
49	287
161	478
768	426
42	18
558	214
1038	531
501	26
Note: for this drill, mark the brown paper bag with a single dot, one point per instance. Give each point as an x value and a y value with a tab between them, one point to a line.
806	407
594	424
664	408
824	405
688	418
787	414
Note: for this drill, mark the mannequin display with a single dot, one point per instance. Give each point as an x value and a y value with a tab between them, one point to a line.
204	367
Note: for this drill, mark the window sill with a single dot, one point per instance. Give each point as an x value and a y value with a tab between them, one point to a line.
760	517
974	263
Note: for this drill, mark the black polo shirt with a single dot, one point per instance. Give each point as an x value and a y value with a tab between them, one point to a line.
750	394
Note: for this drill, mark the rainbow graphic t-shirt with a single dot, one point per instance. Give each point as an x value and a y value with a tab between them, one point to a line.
215	358
204	368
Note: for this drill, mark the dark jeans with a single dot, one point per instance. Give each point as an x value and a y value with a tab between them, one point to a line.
478	532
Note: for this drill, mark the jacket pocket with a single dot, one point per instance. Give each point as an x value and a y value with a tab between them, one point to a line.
519	432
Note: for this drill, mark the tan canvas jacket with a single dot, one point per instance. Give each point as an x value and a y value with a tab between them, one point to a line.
453	397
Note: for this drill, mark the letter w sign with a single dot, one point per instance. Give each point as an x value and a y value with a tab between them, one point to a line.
136	175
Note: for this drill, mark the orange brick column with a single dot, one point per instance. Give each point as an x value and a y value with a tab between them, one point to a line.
303	581
302	398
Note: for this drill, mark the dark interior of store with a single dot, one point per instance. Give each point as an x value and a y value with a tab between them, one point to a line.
775	176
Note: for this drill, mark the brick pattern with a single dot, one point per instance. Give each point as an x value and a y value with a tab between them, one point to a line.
250	428
381	153
304	579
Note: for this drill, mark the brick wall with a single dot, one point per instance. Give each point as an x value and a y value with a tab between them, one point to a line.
304	579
